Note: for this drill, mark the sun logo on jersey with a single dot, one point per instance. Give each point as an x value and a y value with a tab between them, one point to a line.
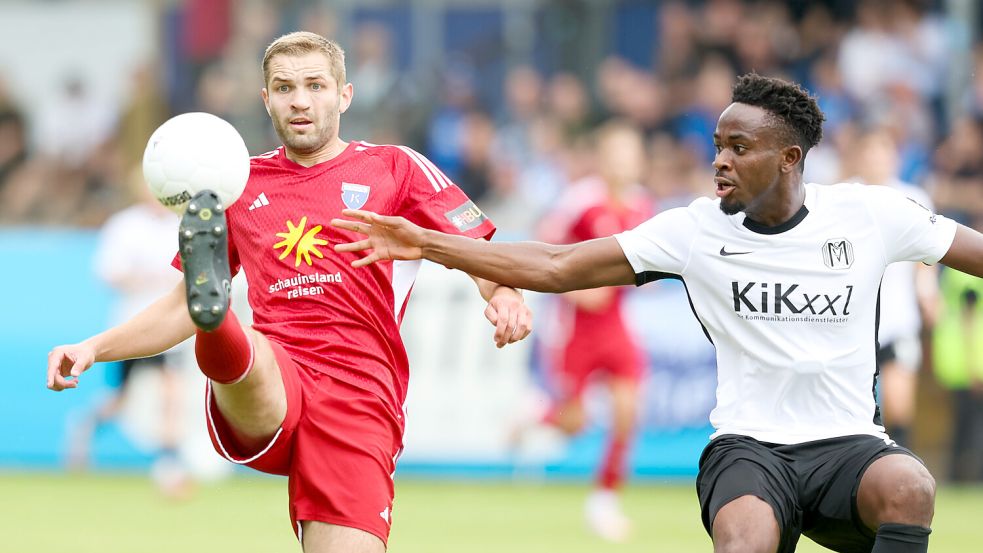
306	243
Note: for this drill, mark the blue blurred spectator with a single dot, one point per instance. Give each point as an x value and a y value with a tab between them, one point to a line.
456	98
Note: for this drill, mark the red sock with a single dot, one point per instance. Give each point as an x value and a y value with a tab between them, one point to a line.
612	473
225	354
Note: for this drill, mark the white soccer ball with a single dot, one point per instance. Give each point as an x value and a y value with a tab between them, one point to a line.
192	152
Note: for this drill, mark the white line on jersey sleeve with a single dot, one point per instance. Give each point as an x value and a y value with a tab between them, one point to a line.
445	182
437	185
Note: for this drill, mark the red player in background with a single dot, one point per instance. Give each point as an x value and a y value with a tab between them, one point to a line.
588	339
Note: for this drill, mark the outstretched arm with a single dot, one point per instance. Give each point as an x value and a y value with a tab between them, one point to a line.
527	265
157	328
966	252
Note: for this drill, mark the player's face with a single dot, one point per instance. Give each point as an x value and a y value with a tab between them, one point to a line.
621	156
748	165
305	102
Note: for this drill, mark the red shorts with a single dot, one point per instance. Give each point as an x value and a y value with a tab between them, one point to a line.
590	354
338	445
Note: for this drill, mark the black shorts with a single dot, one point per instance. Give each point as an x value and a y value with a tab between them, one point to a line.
886	353
811	486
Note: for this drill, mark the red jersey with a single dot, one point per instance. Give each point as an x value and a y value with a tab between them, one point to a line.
308	298
586	211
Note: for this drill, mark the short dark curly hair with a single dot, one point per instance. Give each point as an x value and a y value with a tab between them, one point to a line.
794	107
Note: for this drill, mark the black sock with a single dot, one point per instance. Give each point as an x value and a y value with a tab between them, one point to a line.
901	538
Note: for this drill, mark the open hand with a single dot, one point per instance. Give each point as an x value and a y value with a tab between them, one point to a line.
386	237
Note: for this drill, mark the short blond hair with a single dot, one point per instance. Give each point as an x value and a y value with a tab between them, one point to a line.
302	42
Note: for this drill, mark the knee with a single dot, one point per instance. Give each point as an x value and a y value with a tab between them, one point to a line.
574	423
746	525
733	540
742	544
571	419
908	498
914	491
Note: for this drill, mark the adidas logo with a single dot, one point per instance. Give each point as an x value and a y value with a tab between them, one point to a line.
260	201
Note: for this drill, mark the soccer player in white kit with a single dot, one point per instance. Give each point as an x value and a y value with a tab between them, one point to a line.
784	278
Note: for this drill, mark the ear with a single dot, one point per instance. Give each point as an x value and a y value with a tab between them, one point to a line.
266	99
791	158
347	92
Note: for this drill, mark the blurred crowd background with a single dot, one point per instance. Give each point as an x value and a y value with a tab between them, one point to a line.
504	96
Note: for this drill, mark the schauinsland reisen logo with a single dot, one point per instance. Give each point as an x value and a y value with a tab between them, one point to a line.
301	241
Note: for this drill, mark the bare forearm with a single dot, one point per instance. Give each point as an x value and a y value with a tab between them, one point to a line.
527	265
533	265
487	288
157	328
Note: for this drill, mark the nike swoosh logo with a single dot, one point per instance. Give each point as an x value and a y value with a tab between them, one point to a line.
725	253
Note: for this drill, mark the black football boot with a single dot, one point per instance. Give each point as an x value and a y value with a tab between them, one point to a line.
204	247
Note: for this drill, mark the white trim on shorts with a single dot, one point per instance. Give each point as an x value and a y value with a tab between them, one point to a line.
218	437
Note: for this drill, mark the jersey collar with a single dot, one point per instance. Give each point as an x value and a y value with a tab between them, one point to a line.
759	228
287	163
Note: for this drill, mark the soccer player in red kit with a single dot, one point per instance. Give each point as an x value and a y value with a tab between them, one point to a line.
590	340
314	390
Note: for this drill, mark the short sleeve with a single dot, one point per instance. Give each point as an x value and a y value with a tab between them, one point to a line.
662	244
430	200
909	230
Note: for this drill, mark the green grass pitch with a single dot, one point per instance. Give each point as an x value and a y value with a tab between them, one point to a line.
48	513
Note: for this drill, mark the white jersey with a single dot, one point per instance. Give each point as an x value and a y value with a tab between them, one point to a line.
792	309
133	255
900	316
